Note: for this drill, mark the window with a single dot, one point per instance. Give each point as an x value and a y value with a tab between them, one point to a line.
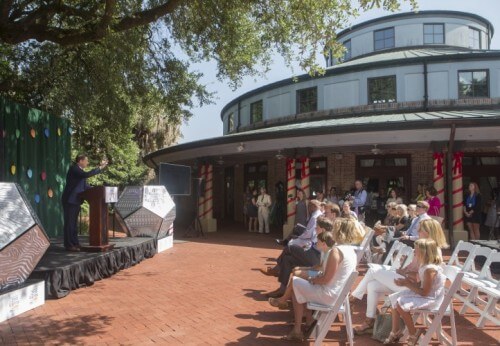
433	33
473	84
230	122
347	54
474	38
307	100
384	38
256	110
382	90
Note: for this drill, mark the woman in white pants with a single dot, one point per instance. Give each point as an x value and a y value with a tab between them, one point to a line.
379	281
263	203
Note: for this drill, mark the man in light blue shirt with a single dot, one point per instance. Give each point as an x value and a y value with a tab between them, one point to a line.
359	200
412	232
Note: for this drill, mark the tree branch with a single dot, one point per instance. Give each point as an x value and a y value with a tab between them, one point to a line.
35	25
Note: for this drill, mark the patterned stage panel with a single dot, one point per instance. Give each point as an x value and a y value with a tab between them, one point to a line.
15	216
21	256
147	211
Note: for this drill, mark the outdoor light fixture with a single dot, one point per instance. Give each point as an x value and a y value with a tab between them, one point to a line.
240	147
220	161
279	155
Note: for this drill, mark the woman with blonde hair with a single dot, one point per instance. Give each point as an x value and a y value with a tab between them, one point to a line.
325	288
426	293
472	211
380	281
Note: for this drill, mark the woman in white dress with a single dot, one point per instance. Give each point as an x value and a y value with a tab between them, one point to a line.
379	281
325	288
428	294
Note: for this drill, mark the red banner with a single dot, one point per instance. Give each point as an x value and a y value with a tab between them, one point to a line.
439	163
457	162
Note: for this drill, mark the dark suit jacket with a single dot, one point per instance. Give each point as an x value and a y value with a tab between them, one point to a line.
76	183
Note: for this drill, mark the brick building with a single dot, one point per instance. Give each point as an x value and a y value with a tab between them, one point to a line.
412	91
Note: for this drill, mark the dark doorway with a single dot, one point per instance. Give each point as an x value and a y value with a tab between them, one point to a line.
385	172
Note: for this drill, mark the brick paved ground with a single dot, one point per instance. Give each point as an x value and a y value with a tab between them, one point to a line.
202	292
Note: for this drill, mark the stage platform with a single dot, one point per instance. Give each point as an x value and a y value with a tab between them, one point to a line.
64	271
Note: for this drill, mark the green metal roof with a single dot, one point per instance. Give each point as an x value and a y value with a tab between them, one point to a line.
381	122
375	120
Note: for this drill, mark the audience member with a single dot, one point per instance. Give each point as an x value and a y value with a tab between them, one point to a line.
433	200
252	213
473	210
347	210
263	203
301	208
428	294
380	281
359	199
325	288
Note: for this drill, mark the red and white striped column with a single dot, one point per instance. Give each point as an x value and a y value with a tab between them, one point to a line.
209	177
304	177
458	198
290	191
439	179
201	199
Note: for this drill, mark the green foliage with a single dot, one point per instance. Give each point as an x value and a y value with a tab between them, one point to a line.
113	68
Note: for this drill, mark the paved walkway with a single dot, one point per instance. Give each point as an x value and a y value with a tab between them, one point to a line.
202	292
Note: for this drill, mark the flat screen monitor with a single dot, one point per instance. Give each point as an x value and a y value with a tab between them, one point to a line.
176	179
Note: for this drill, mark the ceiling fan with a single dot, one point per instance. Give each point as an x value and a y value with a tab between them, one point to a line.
279	155
375	150
220	161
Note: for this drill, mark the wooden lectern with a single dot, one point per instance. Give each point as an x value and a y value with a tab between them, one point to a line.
98	217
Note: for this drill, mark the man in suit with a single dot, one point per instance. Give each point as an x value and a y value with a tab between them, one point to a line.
75	184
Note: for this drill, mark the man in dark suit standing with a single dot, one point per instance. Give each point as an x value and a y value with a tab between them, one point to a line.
75	184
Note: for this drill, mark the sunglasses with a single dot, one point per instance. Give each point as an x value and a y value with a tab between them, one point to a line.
420	206
394	208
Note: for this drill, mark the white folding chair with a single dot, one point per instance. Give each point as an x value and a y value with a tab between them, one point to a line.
491	310
364	247
473	271
325	315
390	258
486	284
454	265
468	292
434	325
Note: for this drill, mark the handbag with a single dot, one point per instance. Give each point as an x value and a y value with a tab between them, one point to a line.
383	324
382	327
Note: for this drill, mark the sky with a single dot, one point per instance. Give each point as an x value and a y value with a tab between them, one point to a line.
206	122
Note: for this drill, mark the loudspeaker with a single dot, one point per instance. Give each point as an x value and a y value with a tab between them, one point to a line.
176	179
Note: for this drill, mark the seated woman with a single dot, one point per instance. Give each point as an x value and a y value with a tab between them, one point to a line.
324	288
379	281
347	211
428	294
325	244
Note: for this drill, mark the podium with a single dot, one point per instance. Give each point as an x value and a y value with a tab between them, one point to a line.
98	217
